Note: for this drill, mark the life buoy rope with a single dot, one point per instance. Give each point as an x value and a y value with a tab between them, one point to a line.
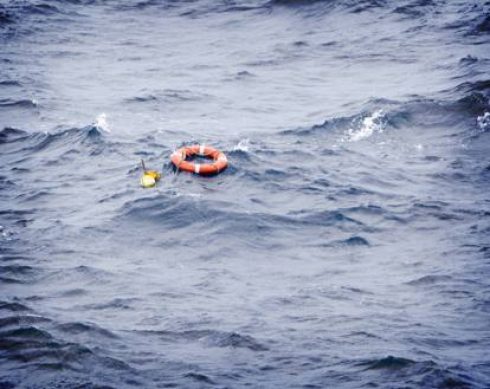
219	163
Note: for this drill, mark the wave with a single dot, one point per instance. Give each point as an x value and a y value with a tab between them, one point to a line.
10	83
88	330
211	338
20	274
409	9
389	362
23	18
484	25
5	16
481	86
40	9
473	104
41	350
115	304
355	6
33	345
391	115
419	374
370	124
415	8
25	103
9	134
193	8
168	96
430	280
15	11
16	141
484	121
13	307
176	212
354	241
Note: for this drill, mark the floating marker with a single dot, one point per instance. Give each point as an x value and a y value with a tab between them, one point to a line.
147	181
150	177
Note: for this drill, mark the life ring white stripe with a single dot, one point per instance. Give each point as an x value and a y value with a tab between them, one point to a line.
179	159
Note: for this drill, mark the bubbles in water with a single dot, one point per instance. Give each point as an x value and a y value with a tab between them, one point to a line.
484	121
370	124
101	123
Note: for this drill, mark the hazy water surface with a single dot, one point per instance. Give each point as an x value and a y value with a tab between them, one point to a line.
346	245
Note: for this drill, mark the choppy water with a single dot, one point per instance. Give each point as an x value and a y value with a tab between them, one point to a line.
347	244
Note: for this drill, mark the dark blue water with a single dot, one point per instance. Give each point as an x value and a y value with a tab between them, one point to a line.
347	245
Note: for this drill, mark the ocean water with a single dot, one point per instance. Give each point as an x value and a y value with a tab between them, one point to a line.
347	245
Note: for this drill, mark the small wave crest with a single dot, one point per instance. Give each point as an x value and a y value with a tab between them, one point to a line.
370	124
243	145
484	25
211	338
24	103
101	123
484	121
65	141
427	374
389	362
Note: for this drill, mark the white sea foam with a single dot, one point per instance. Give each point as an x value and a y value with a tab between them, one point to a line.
370	125
101	123
484	121
243	145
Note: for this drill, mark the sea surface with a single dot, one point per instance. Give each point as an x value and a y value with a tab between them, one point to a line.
347	245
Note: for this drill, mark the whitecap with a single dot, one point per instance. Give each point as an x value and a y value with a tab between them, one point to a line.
484	121
370	124
243	145
101	123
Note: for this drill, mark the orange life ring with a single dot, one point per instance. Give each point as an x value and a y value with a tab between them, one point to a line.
179	156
